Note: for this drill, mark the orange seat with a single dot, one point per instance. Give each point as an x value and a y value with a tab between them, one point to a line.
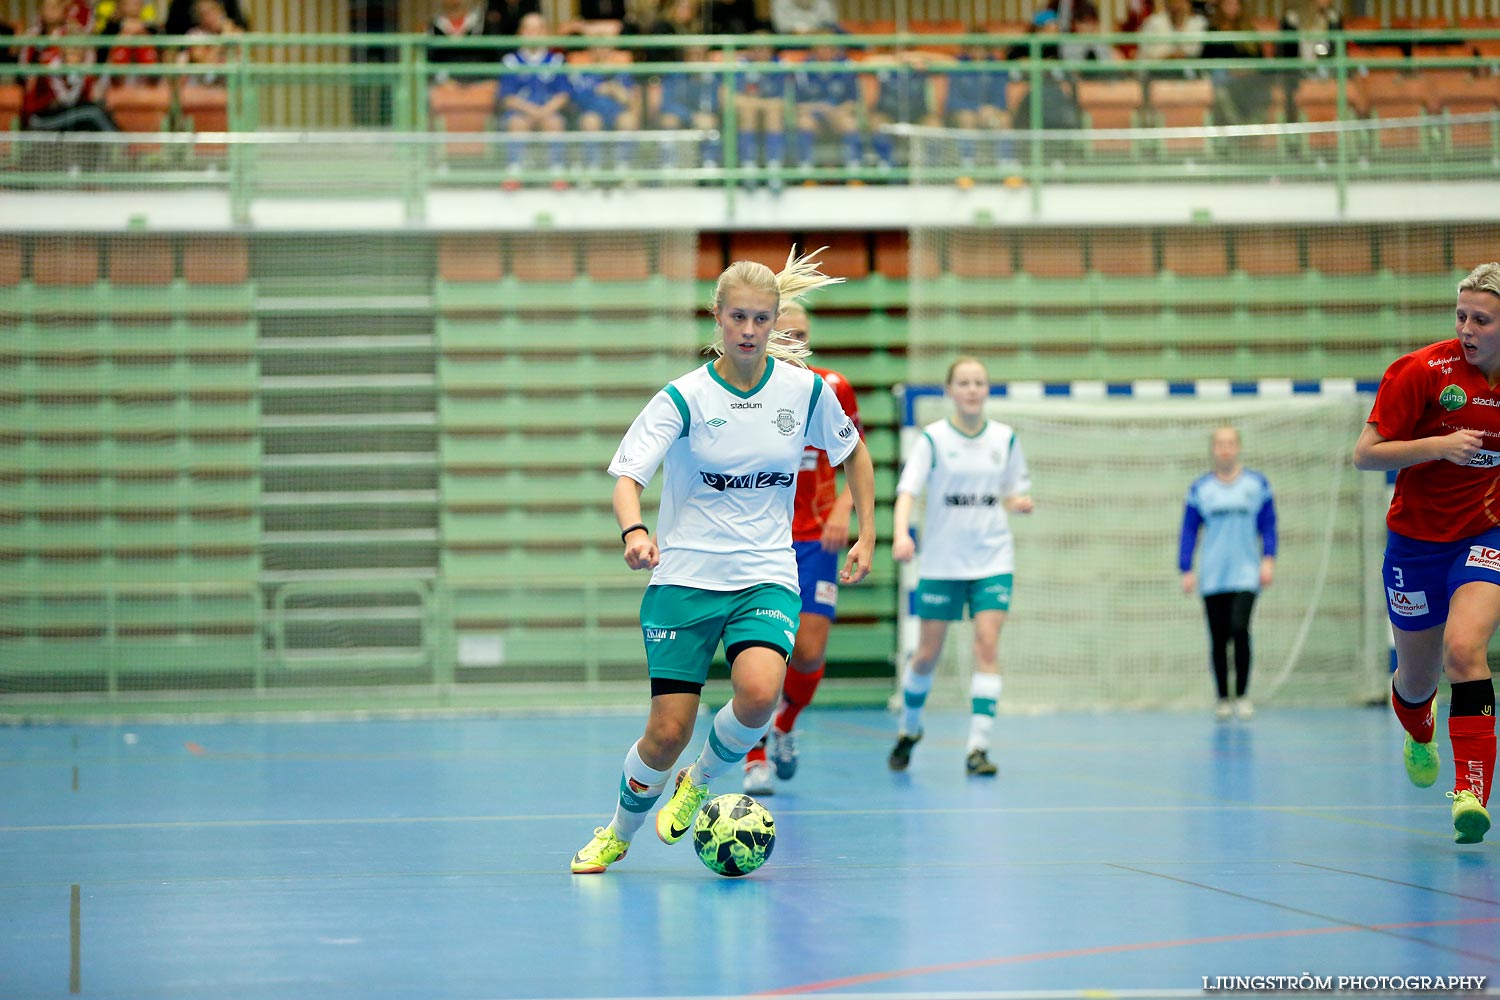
1414	250
769	249
1341	250
710	260
610	257
141	260
1389	94
544	257
1472	246
463	107
1267	252
1124	253
10	106
1183	104
1317	101
892	254
1053	254
1196	253
691	257
1111	104
847	256
204	108
946	26
140	107
469	258
1465	95
65	261
216	260
981	253
10	261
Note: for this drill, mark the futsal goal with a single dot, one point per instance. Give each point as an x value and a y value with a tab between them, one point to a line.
1099	619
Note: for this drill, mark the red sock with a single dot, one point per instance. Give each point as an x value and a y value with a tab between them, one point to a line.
796	694
1420	721
1473	739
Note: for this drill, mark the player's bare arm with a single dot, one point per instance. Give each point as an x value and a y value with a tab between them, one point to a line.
1376	453
640	545
859	474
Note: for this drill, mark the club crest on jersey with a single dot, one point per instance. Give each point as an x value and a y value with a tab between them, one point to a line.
749	481
1452	398
786	422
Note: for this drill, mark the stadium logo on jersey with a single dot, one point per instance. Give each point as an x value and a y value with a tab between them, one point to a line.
716	422
750	481
1483	557
744	406
1483	401
1407	604
786	422
1452	398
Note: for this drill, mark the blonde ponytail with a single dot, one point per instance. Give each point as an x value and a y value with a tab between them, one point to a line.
796	279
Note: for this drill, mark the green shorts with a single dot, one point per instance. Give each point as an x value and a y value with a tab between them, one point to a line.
944	600
683	626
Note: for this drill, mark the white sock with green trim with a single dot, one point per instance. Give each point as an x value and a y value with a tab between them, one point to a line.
984	692
728	742
914	690
640	787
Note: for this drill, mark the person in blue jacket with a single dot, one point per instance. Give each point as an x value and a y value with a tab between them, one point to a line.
1234	509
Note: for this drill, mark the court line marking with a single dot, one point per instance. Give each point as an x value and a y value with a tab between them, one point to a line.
1304	913
1396	881
1111	949
575	817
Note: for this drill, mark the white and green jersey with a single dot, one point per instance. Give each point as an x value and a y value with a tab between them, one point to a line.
965	534
731	471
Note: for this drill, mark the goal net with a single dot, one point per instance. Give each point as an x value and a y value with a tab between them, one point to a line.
1099	617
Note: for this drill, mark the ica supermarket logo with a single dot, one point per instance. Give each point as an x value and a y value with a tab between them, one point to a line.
1452	398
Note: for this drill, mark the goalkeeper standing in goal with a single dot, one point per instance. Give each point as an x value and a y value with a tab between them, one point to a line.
820	530
730	436
1436	422
974	474
1236	512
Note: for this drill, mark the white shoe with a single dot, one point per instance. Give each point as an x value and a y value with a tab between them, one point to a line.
1244	709
758	779
1223	708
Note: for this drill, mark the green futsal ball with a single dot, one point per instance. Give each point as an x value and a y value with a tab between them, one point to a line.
734	835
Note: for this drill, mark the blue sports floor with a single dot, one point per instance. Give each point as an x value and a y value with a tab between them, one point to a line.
1129	854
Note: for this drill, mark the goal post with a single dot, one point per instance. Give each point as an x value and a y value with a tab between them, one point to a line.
1099	618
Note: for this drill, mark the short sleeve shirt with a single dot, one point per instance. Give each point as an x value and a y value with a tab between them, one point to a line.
1428	393
731	460
966	532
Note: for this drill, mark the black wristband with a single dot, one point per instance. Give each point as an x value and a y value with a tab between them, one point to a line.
637	526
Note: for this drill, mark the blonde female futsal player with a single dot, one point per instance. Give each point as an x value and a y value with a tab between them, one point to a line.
1437	420
731	435
974	473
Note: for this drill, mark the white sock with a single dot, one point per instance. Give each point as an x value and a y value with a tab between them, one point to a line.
640	787
914	689
984	691
728	742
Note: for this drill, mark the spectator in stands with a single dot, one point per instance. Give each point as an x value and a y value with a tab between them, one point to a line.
804	17
456	19
694	100
1240	96
503	17
109	15
977	100
1045	24
1059	105
826	99
184	15
534	99
129	23
903	94
213	21
1313	19
1168	33
1085	22
71	98
760	103
662	17
606	101
733	17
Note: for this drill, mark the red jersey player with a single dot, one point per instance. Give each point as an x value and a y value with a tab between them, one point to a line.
1437	420
820	531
